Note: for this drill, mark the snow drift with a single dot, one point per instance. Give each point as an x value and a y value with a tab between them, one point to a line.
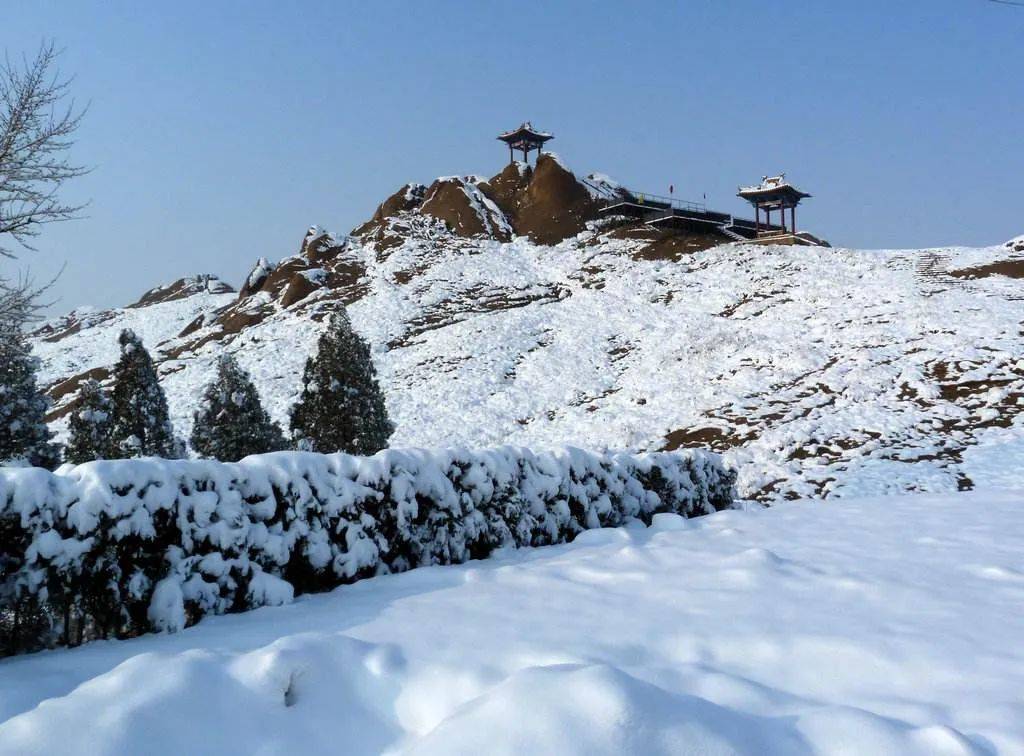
881	626
121	547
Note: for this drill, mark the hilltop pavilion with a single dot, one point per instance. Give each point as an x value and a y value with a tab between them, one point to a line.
526	139
774	193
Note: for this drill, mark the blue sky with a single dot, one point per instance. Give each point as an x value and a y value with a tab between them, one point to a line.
219	131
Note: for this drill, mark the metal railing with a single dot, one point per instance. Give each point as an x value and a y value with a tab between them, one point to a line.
642	198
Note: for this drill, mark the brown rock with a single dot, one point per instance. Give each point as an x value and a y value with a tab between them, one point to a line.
449	200
256	278
409	197
300	286
556	205
508	189
183	288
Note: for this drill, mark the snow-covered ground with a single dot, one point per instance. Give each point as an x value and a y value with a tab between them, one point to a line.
820	372
868	626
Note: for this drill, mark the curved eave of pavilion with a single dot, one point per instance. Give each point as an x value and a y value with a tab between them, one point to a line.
776	192
529	135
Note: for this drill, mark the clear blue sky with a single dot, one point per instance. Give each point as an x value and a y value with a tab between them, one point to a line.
220	130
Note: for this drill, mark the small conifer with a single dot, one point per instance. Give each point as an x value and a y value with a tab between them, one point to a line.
341	407
90	426
24	437
231	423
141	425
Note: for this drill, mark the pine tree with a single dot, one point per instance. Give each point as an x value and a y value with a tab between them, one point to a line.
24	437
231	423
90	426
140	423
341	407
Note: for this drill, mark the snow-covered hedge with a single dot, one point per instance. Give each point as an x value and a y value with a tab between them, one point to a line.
123	547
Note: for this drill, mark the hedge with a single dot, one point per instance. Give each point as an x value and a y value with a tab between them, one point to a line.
118	548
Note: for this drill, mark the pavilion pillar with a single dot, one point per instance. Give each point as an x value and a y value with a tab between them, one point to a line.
793	218
757	218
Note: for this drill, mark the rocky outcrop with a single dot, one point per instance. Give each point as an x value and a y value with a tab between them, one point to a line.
323	261
256	278
182	288
547	203
508	188
556	205
405	200
301	285
465	209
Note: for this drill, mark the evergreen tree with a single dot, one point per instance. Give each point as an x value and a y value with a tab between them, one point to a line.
231	423
90	426
24	437
140	423
341	407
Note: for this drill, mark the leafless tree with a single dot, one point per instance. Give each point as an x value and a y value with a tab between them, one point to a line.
20	302
36	129
37	125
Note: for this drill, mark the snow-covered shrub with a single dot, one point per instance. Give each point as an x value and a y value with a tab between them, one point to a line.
231	422
341	407
115	548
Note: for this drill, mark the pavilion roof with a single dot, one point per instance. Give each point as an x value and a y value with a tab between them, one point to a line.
526	133
772	187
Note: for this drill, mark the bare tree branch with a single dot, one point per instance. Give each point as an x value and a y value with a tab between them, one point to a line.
20	304
37	125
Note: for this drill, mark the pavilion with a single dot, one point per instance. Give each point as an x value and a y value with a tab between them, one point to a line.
774	193
525	139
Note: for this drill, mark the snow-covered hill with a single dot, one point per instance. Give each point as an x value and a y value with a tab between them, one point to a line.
818	371
881	626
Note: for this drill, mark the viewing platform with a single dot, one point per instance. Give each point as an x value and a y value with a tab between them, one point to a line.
660	212
683	215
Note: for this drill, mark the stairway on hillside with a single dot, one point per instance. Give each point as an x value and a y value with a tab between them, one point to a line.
727	230
932	266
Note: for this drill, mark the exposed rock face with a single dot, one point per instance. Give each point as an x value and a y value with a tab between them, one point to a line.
508	188
555	206
326	268
182	288
256	278
465	209
323	261
406	199
301	285
547	203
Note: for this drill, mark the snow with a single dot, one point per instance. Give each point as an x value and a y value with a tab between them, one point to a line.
261	270
817	366
602	187
95	344
873	625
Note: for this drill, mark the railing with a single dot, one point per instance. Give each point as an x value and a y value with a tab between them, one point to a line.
642	198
